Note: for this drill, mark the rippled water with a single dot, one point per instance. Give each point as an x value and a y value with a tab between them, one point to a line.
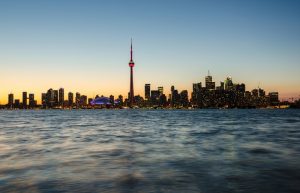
150	151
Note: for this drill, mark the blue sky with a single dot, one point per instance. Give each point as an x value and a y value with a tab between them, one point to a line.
84	45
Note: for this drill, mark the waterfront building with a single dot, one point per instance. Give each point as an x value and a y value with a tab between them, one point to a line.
56	99
17	104
32	102
10	100
70	99
209	84
160	90
184	98
228	83
147	92
24	101
61	97
273	98
77	99
44	100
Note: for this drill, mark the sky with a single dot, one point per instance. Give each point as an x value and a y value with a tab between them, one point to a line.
83	46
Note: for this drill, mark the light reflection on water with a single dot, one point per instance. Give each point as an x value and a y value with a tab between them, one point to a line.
150	151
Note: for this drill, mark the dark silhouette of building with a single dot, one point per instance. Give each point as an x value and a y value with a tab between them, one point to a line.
274	98
56	99
10	101
83	101
24	101
147	92
17	104
184	98
70	99
50	102
32	102
209	84
112	99
77	99
228	83
61	97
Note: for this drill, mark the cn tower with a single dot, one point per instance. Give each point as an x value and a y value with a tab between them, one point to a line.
131	65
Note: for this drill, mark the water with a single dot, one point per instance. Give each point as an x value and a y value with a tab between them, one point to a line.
150	151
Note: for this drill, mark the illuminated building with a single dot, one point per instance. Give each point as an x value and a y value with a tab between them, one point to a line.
160	90
274	98
228	83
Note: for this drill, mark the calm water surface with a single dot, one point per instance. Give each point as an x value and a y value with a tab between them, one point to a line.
150	151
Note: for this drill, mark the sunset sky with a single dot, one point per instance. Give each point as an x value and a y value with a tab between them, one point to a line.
84	45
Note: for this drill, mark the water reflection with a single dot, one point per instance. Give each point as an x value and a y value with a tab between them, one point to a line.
150	151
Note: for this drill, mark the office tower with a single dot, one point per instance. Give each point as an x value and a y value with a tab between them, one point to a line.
160	90
241	88
10	100
196	91
56	98
261	92
273	98
17	104
50	98
197	87
209	84
254	92
147	91
31	101
184	98
24	101
77	99
83	100
70	99
120	99
222	86
44	100
61	97
154	97
228	83
89	101
131	65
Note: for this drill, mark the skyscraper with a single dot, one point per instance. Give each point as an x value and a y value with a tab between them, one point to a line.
10	100
209	84
70	99
160	90
147	91
55	97
24	101
61	96
44	100
228	83
131	65
31	101
77	99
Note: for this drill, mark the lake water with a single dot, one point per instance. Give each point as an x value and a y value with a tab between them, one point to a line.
150	151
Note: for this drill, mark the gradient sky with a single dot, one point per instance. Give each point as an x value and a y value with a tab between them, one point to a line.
84	45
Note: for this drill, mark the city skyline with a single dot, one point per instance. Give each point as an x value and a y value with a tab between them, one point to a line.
84	47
